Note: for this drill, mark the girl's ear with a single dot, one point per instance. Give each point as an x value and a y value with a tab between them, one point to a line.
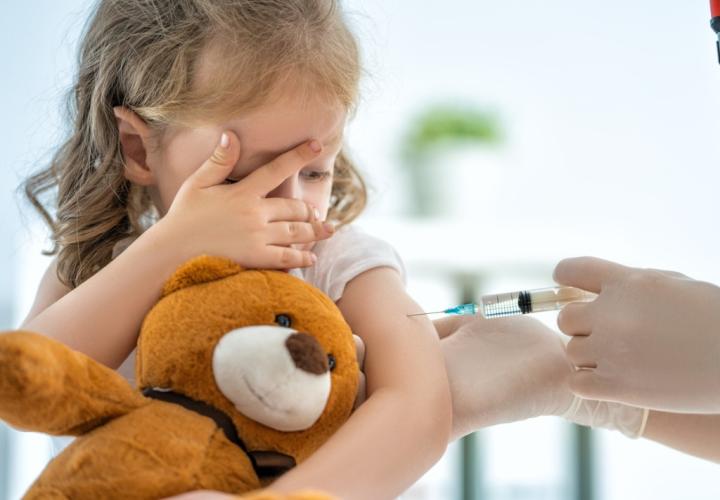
134	141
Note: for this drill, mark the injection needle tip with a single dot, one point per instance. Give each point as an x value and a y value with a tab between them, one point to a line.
425	314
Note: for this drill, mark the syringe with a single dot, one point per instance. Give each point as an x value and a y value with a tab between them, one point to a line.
497	305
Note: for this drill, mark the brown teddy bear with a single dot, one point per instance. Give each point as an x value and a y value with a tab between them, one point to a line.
241	375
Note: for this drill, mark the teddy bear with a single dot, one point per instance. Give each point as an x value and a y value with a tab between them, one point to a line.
241	374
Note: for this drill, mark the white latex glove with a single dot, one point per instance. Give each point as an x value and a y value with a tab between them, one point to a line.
510	369
650	339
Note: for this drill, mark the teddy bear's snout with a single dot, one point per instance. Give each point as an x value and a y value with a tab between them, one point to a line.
306	353
275	375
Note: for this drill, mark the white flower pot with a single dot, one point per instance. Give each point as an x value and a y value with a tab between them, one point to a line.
459	180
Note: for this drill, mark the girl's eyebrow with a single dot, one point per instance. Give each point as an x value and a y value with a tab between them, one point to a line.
268	154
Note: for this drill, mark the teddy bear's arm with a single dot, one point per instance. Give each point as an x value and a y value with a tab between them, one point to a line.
47	387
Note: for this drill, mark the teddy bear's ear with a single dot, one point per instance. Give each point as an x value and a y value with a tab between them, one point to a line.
200	270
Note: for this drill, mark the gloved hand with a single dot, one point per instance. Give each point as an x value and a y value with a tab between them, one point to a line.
510	369
650	339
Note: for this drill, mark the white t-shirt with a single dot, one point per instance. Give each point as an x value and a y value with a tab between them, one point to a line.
344	256
347	254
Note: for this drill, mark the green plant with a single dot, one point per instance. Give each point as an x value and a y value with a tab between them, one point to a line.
448	123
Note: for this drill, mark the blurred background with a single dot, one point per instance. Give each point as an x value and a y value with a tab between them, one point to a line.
545	129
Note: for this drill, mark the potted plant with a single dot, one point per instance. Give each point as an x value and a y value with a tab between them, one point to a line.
450	153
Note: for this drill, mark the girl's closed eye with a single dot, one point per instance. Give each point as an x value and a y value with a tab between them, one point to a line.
314	175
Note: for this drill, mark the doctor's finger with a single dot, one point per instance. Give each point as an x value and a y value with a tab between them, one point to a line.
576	318
579	353
672	274
588	273
590	384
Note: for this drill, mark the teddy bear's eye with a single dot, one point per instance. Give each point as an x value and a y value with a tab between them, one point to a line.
331	362
283	320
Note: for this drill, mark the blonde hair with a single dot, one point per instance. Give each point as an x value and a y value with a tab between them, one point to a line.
144	55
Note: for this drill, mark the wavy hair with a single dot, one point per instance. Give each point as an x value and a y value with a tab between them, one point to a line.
143	54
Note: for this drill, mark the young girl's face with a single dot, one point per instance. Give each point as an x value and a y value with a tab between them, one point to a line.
264	133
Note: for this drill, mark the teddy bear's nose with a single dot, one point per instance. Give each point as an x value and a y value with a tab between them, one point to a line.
306	353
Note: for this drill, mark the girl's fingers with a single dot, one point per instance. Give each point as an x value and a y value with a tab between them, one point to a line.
290	232
217	168
287	209
361	392
359	351
266	178
362	385
277	257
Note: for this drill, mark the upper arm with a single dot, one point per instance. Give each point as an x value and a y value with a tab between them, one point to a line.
400	351
49	292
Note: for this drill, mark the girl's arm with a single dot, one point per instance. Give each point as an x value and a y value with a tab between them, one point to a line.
697	435
102	316
404	426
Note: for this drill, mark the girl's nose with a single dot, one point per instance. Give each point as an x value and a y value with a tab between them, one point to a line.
290	188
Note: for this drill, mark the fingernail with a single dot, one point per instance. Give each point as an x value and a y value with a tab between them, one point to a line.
316	213
329	227
224	140
315	146
313	258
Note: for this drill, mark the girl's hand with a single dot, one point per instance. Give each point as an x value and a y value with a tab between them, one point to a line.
237	221
360	354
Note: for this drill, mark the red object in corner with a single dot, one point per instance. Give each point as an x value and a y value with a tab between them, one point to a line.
715	8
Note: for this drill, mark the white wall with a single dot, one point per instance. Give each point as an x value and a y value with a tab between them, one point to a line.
611	110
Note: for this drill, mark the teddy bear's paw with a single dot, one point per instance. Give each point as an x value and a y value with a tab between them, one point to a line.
23	366
45	493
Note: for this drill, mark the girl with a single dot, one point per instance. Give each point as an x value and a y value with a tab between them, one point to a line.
216	127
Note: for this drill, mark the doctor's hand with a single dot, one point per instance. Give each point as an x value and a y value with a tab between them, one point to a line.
651	338
510	369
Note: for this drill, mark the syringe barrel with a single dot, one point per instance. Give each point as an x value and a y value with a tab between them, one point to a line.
532	301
